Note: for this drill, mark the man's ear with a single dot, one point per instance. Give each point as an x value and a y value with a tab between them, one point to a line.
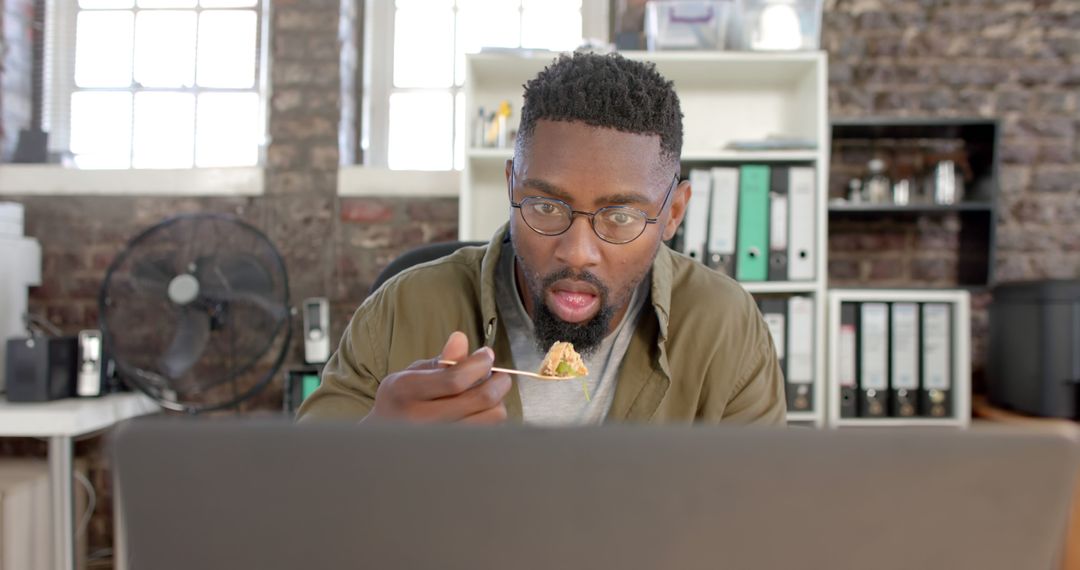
679	198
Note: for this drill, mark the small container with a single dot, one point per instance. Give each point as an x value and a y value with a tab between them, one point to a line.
686	24
780	25
877	189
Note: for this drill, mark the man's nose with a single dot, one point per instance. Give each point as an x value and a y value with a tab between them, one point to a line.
578	247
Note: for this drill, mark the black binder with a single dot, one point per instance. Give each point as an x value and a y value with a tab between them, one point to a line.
775	310
778	224
848	365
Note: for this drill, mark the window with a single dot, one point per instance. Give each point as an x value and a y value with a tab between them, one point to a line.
414	96
155	83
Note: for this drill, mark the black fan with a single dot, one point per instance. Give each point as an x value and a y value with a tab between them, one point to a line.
194	308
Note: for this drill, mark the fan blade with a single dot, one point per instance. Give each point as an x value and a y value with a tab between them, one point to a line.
188	344
223	274
153	274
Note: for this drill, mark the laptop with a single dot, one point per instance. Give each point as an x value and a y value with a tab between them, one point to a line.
269	496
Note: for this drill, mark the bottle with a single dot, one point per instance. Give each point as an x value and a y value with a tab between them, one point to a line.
478	129
876	188
503	118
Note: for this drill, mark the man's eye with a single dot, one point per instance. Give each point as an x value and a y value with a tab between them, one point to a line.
621	218
546	209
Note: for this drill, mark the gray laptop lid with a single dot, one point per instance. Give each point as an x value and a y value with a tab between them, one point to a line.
273	496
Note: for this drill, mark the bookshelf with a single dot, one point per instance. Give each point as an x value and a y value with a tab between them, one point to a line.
958	303
725	97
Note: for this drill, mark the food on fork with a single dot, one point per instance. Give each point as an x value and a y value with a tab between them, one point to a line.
563	361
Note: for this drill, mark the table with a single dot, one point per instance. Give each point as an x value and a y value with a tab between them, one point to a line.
62	422
982	408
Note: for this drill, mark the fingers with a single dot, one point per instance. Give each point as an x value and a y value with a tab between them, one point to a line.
433	384
490	416
456	349
479	400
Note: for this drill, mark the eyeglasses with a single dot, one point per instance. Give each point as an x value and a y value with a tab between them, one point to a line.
613	224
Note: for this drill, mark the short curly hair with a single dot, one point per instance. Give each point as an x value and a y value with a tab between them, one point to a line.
605	91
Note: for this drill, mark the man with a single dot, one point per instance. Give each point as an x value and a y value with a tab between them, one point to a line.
594	191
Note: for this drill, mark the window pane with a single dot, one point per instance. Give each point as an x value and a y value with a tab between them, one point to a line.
485	23
425	4
227	132
421	135
96	4
165	49
228	3
551	27
101	129
460	130
103	49
164	130
167	3
422	38
227	48
563	5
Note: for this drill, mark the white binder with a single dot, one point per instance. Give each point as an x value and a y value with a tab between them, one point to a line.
800	340
696	227
723	220
802	256
873	352
905	343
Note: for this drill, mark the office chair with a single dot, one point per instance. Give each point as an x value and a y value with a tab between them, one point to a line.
422	254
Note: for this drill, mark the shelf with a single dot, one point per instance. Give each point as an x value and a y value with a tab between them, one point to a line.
751	156
910	208
780	286
490	153
802	417
501	154
900	422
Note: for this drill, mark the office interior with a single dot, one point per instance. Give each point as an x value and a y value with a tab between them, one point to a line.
934	144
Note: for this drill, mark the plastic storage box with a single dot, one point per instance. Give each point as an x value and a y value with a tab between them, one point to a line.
779	25
686	24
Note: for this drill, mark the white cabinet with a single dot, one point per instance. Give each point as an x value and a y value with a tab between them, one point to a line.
725	97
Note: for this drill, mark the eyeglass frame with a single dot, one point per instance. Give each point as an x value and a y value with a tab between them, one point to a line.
590	215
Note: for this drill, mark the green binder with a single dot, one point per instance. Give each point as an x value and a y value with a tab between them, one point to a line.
753	240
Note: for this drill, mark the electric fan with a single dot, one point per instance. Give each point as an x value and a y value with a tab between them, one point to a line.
195	312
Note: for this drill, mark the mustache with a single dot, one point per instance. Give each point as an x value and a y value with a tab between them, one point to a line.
567	273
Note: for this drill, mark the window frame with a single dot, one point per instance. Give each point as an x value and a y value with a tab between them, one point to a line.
58	72
378	74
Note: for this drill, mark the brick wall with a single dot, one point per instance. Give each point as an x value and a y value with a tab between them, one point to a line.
16	17
1018	60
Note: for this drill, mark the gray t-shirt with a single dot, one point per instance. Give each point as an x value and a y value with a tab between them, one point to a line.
562	403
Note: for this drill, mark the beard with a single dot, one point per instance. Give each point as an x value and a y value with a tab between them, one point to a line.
549	328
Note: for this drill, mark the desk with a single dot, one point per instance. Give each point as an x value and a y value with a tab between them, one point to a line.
62	422
982	408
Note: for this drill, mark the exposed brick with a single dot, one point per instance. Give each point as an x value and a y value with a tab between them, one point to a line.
1046	126
886	269
1014	179
436	209
323	157
1014	100
843	269
932	270
1056	179
1059	151
303	128
365	211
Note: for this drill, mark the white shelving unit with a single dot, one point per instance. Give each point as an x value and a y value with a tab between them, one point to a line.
959	301
725	97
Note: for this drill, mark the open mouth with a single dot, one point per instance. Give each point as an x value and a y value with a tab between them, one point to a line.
573	301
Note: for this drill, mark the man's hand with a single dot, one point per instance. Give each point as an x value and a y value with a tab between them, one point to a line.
427	391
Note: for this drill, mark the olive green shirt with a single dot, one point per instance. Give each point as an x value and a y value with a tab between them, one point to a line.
701	351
